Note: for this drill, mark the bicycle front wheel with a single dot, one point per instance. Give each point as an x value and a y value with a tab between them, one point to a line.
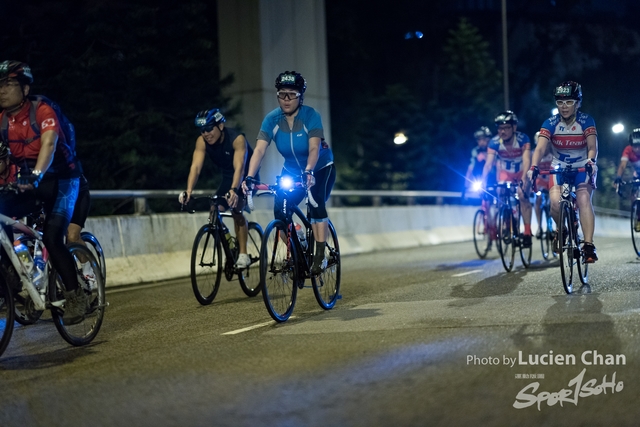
7	314
326	285
635	226
525	253
506	245
84	332
278	271
567	248
96	249
545	234
250	276
581	264
206	264
481	236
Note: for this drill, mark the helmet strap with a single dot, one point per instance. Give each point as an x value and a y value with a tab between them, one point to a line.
14	110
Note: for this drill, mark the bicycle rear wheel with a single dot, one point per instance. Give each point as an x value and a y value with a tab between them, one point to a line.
250	277
635	226
481	238
506	245
278	271
84	332
96	249
326	286
206	264
566	243
7	314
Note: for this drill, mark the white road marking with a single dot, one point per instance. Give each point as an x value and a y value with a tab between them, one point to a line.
466	273
249	328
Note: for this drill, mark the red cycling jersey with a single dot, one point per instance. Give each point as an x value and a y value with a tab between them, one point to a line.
632	158
25	144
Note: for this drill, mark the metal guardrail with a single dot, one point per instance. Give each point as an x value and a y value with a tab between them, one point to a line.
159	194
140	196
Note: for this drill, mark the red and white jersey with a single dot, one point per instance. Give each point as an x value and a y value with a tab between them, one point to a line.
569	142
509	156
633	159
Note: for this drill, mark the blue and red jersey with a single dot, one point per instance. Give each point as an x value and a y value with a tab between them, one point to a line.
509	156
569	142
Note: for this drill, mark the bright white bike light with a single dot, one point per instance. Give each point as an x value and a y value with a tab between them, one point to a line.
476	186
286	182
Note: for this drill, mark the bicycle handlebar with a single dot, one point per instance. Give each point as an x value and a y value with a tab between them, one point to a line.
273	188
558	172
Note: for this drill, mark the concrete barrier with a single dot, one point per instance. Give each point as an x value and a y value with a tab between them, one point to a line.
148	248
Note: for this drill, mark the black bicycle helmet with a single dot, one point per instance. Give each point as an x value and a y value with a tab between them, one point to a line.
568	90
506	117
634	137
291	79
17	70
209	119
4	151
483	132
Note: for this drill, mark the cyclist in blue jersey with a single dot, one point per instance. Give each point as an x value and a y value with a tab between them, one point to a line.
574	141
297	132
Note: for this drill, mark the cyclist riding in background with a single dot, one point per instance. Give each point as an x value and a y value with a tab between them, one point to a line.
542	181
297	132
574	142
479	158
8	170
513	150
229	150
49	172
630	155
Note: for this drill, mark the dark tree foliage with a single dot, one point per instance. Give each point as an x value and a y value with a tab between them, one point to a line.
131	76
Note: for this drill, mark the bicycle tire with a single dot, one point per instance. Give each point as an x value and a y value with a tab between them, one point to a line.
581	264
7	314
279	271
481	238
85	331
326	285
206	264
249	277
566	243
635	235
96	248
525	253
545	235
506	245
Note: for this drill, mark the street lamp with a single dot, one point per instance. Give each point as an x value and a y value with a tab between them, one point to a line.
400	138
617	128
505	59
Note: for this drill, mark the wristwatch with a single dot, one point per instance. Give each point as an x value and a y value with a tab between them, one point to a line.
308	172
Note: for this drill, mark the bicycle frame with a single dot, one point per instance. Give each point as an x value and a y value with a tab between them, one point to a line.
570	252
289	209
39	299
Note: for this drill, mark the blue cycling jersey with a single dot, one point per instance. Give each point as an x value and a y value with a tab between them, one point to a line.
293	144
